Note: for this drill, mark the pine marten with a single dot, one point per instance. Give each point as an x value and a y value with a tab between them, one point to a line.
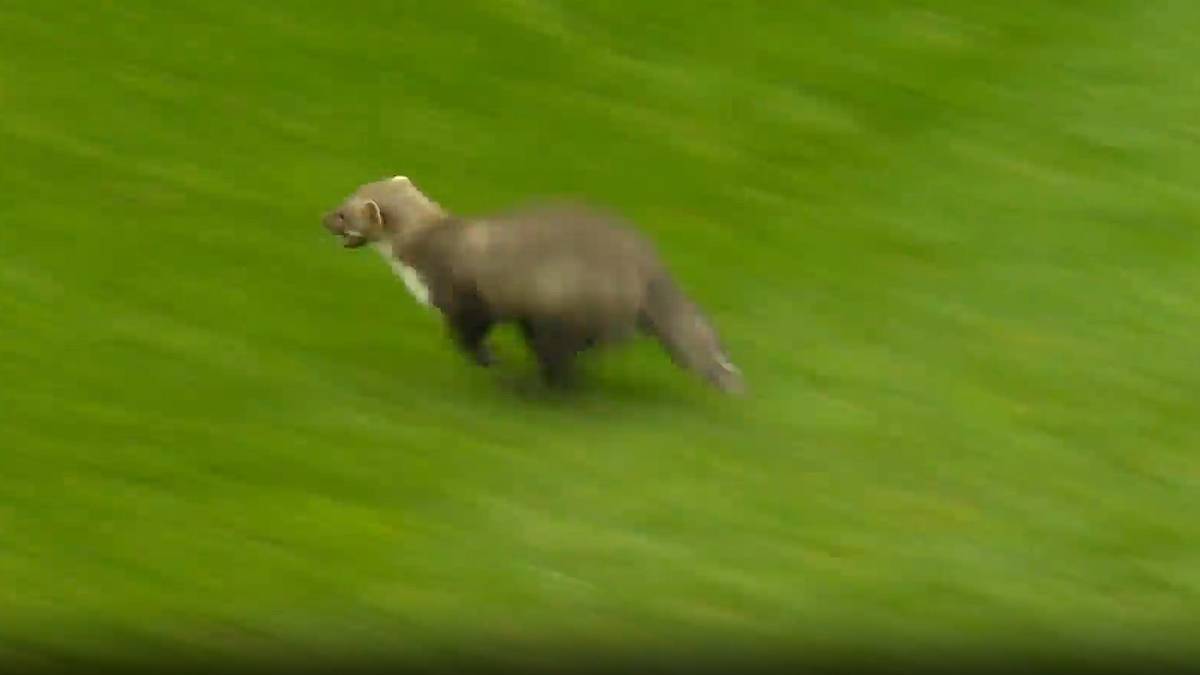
570	277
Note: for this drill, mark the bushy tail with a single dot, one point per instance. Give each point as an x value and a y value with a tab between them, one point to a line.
687	335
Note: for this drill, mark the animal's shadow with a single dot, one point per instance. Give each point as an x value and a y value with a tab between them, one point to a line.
597	377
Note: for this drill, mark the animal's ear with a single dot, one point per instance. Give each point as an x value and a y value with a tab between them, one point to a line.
371	213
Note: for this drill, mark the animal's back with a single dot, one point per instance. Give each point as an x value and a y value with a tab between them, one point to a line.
570	262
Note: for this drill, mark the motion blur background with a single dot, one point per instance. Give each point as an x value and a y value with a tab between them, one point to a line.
953	245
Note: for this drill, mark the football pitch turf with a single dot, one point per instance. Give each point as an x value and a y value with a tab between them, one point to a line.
952	245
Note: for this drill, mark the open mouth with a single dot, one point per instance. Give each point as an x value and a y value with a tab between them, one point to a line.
353	239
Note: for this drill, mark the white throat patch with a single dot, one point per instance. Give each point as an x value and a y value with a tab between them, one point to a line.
411	278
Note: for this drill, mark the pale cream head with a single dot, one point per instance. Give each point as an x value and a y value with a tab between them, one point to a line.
389	208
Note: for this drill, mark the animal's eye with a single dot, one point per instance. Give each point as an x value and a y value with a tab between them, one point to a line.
341	217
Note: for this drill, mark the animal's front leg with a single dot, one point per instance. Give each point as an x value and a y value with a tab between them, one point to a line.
470	331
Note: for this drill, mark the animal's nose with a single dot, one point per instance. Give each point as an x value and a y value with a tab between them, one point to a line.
329	222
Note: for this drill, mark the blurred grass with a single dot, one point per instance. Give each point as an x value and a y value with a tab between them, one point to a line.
952	244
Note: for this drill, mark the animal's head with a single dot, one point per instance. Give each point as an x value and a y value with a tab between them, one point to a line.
356	221
392	208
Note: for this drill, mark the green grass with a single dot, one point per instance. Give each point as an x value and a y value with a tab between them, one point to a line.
953	245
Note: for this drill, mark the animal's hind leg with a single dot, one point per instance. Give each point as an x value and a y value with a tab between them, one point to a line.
555	346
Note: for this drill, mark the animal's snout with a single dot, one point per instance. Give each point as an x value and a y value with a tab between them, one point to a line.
330	221
336	223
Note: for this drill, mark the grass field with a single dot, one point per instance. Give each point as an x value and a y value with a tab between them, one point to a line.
953	245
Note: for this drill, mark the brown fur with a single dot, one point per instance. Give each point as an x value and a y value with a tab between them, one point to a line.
570	277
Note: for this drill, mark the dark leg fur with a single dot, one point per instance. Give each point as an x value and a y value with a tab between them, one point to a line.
555	347
470	331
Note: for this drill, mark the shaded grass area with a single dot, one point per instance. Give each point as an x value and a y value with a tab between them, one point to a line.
952	245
